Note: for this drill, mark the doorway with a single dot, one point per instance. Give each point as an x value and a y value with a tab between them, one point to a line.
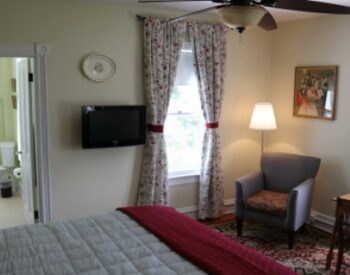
17	156
23	115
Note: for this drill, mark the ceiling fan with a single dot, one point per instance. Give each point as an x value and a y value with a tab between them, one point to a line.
243	14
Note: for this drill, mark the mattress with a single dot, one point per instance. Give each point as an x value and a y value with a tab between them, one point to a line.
106	244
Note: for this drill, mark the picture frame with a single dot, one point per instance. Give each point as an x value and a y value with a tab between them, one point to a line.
315	92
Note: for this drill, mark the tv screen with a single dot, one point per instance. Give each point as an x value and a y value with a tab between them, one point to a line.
113	126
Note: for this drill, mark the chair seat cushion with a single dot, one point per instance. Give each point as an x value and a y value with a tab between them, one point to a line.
268	202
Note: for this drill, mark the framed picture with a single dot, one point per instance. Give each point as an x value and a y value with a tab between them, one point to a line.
315	92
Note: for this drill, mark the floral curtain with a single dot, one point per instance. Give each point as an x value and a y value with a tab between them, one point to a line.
162	47
209	48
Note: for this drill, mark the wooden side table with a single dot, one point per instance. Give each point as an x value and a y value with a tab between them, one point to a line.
342	219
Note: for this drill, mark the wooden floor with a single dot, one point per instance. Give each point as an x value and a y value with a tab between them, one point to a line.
222	219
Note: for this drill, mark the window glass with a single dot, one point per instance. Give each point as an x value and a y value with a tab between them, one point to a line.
184	124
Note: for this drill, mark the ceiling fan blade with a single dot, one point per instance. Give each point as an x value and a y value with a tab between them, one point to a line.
197	12
310	6
268	23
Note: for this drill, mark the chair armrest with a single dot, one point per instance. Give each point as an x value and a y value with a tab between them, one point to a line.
247	186
299	204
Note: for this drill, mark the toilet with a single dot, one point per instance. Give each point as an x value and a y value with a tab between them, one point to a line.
7	150
6	180
3	173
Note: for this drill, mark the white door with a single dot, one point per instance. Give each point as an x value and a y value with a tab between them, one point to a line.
25	146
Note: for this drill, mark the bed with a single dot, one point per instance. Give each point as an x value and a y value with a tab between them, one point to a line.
134	240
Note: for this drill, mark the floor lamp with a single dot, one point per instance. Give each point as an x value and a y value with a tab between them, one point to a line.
263	118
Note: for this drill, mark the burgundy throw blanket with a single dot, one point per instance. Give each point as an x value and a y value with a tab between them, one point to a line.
204	247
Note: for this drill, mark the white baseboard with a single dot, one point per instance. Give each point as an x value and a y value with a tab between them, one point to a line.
192	211
321	221
317	219
230	206
189	211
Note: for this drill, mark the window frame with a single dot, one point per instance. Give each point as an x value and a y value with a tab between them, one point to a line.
185	176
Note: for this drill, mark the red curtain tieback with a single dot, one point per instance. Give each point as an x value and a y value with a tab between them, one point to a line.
212	125
155	128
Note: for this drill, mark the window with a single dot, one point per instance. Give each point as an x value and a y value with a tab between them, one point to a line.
184	124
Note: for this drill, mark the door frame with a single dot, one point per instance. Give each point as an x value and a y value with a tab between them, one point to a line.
39	52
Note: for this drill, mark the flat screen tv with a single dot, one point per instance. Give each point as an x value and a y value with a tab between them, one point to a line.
113	126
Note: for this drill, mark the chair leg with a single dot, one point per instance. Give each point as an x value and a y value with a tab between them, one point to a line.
340	258
291	239
239	224
330	254
340	250
331	246
303	228
337	234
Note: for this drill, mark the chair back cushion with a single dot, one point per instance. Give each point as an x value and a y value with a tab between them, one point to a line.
282	172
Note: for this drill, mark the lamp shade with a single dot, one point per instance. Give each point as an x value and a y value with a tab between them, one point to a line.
263	117
241	16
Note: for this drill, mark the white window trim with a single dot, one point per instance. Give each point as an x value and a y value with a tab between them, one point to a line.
183	178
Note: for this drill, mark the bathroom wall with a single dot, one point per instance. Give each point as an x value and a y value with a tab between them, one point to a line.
7	112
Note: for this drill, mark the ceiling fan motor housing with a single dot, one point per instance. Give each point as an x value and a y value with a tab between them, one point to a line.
246	2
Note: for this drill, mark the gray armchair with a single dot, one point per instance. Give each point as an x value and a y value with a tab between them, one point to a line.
280	194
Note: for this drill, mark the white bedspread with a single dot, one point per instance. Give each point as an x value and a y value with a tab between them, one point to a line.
107	244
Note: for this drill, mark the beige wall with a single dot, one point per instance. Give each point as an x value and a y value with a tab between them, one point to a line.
94	181
247	82
320	41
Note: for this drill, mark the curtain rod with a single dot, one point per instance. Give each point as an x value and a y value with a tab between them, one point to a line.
140	18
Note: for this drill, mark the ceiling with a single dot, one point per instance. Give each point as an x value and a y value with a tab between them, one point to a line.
279	15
